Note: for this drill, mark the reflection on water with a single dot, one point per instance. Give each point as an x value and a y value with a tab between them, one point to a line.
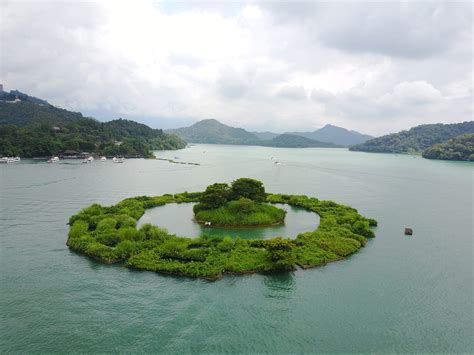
280	285
178	219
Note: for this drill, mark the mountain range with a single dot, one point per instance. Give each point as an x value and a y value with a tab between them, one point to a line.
212	131
31	127
327	134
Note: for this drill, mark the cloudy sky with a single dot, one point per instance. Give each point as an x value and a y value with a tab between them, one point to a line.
374	67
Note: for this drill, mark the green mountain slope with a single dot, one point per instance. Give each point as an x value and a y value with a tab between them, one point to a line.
336	135
265	136
415	140
292	141
213	132
26	113
28	130
459	148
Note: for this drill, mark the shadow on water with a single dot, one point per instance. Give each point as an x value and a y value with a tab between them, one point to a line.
280	285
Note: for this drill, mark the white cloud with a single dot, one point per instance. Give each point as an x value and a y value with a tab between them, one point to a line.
271	66
412	93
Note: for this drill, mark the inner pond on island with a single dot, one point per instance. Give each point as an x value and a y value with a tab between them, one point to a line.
178	219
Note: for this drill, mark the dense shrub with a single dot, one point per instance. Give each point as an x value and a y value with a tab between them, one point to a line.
242	205
80	227
106	223
281	253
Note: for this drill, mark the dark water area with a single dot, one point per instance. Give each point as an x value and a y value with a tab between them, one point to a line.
398	294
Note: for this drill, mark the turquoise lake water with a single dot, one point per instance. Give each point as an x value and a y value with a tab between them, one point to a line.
398	294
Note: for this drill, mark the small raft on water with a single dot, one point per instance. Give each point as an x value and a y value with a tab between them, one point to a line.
408	231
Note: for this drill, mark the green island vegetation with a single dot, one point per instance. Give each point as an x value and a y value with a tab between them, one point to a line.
109	235
32	128
459	148
238	205
415	140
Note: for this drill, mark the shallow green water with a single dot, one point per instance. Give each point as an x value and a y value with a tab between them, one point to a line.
178	219
402	294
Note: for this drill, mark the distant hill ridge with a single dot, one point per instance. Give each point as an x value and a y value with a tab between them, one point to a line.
327	134
415	140
293	141
211	131
18	95
336	135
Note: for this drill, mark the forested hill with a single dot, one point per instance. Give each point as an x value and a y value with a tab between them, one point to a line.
335	135
211	131
28	129
293	141
459	148
26	113
415	140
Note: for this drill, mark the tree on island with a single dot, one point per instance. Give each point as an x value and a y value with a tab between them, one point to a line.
216	195
248	188
240	204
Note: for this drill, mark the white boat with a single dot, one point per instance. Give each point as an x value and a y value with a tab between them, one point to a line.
6	160
118	159
103	158
276	162
53	160
88	160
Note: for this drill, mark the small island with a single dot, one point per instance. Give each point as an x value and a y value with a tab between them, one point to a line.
110	234
238	205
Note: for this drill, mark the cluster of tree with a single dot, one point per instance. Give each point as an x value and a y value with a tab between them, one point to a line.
219	194
459	148
415	140
31	130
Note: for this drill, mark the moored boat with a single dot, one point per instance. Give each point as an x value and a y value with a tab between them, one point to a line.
53	160
6	160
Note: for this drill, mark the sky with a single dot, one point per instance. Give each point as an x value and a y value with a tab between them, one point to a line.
375	67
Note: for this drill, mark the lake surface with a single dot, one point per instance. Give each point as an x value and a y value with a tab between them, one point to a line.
398	294
179	219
